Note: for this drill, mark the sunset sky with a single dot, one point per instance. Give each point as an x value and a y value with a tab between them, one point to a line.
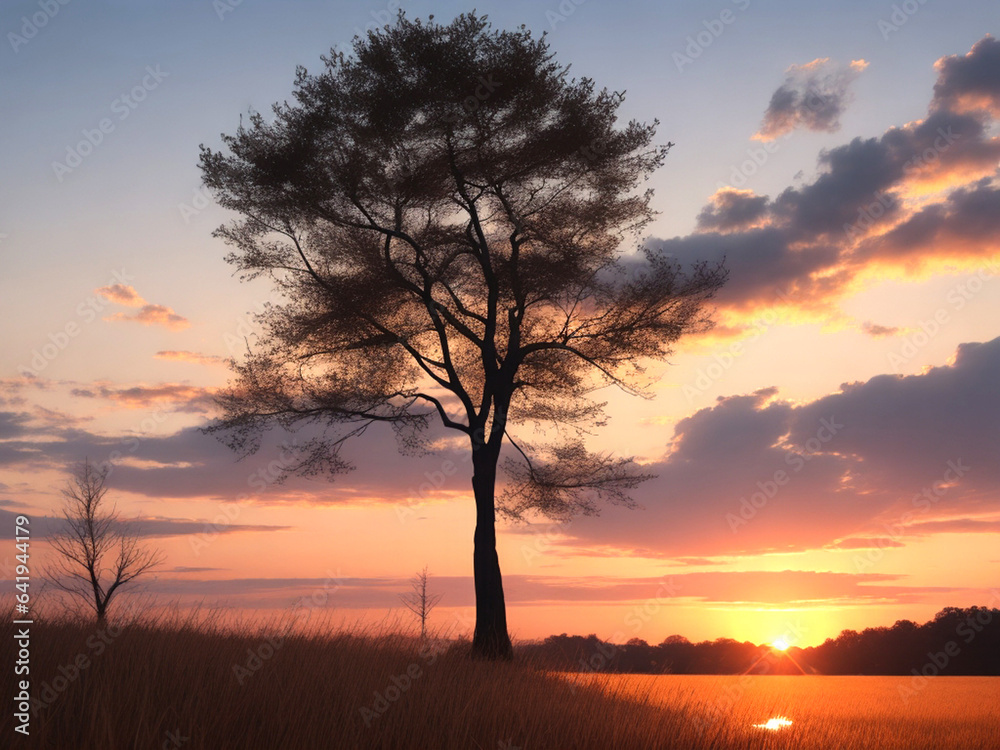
828	457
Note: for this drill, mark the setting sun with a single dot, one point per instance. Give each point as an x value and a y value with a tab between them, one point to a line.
780	644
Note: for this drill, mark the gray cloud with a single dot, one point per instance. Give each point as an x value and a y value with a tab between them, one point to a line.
732	209
755	474
43	527
813	96
812	240
970	82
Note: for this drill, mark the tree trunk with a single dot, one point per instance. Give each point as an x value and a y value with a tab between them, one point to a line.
491	640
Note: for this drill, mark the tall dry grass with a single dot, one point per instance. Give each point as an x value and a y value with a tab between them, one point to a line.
189	683
184	683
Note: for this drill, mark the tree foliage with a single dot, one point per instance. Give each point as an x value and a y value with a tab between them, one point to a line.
444	214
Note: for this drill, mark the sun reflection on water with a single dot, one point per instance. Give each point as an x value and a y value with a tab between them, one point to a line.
778	722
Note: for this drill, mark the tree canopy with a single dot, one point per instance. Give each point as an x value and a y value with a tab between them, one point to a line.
446	214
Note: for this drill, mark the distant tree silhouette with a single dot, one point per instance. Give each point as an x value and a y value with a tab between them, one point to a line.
443	212
96	554
419	601
956	642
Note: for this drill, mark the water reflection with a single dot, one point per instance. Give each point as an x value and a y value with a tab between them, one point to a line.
778	722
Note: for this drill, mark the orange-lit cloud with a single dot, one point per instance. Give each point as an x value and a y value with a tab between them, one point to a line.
867	543
878	331
906	204
148	314
193	357
122	294
788	587
968	83
880	459
186	397
732	210
154	315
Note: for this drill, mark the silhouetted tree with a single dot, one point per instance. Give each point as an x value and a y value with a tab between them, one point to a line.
419	601
96	554
443	212
956	642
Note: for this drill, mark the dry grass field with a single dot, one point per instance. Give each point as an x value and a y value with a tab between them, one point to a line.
188	685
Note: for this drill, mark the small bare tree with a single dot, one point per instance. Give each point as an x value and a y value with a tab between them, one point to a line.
96	554
418	601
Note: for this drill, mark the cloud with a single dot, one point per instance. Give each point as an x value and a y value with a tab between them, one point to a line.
14	424
877	331
154	315
122	294
956	526
921	198
731	209
786	587
191	464
187	569
756	474
193	357
813	96
970	83
148	314
867	543
187	398
43	527
966	225
906	432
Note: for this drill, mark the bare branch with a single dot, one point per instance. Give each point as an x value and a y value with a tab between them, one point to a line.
97	553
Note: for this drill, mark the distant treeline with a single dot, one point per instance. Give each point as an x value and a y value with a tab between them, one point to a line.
956	642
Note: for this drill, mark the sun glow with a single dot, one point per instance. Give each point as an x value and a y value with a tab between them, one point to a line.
780	644
778	722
